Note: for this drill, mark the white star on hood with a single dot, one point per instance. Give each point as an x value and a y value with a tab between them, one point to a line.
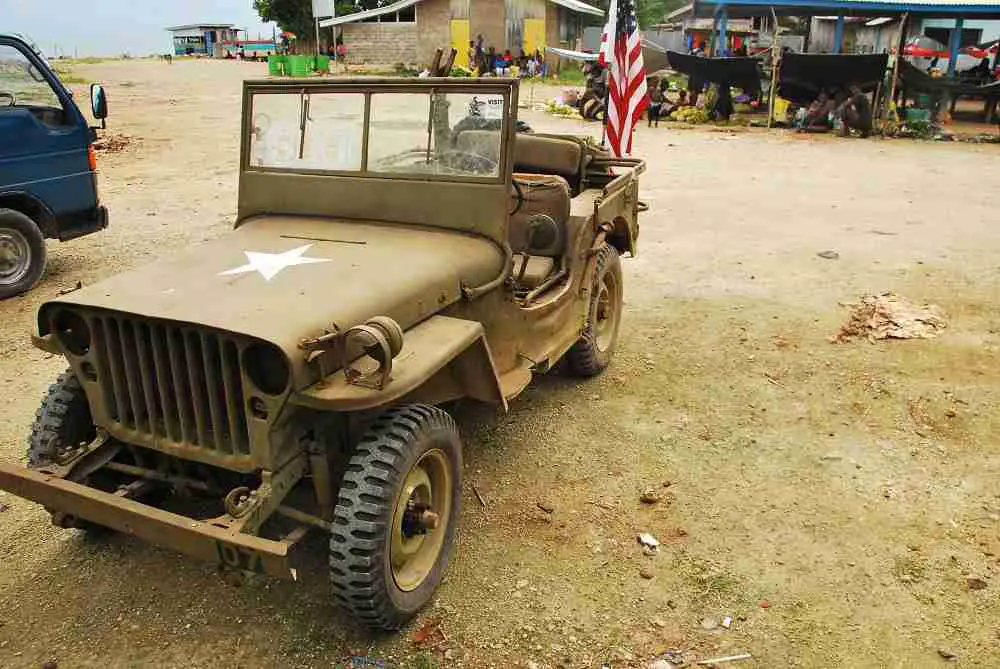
270	264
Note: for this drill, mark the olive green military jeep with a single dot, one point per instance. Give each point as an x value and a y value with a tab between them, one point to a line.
398	246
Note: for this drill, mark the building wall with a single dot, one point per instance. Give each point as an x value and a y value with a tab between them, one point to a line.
382	43
488	18
858	38
433	29
991	29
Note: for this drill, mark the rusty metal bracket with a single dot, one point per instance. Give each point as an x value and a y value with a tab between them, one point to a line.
603	230
262	502
79	463
324	342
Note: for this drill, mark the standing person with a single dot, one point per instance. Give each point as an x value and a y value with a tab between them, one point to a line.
471	54
655	102
342	52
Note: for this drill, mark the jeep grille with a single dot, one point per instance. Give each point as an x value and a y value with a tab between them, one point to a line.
172	382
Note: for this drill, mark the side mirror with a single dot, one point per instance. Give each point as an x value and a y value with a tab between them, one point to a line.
99	102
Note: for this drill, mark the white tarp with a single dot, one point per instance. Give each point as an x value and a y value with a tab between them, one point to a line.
572	55
580	7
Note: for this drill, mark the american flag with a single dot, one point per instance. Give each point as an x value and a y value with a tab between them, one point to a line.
621	52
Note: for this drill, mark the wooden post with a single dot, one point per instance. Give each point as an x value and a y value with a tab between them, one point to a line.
775	66
900	41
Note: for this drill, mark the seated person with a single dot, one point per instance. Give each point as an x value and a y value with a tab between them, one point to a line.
817	114
855	112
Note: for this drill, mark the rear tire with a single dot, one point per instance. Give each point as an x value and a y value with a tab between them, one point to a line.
386	560
594	349
22	253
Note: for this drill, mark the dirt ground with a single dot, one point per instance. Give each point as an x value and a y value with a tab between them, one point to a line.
832	499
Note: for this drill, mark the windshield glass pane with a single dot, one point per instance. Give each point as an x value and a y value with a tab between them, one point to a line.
21	84
317	131
447	134
444	134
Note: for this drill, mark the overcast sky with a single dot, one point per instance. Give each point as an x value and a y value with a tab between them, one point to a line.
112	27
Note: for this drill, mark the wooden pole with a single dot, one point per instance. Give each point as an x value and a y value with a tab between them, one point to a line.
900	39
775	66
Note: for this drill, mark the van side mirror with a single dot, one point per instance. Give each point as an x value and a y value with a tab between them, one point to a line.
99	102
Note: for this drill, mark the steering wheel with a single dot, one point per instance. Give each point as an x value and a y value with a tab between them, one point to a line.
466	161
8	94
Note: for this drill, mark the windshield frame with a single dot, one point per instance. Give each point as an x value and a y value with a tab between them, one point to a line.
374	86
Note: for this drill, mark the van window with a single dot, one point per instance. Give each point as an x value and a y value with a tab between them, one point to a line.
23	86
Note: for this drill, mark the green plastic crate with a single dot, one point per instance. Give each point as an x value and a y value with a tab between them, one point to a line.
276	64
298	66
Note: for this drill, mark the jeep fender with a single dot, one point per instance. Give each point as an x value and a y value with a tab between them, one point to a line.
442	358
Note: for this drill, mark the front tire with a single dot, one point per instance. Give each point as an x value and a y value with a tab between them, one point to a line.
22	253
596	346
62	422
394	524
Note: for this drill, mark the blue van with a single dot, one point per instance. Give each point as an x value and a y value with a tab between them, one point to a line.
48	184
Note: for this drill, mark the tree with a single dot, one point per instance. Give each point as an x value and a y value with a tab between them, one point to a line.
296	15
649	12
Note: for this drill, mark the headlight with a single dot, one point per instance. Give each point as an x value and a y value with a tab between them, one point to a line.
267	368
72	332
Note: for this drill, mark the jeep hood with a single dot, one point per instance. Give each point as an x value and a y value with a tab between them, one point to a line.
282	278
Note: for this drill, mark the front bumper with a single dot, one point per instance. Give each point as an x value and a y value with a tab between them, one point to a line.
186	535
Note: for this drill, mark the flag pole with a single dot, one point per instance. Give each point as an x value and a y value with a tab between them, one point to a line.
604	121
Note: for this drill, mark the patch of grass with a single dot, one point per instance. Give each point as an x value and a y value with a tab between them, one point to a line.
89	60
572	76
423	661
67	76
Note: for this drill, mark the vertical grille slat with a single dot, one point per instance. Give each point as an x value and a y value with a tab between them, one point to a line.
113	349
178	371
104	367
212	365
229	358
172	382
192	357
131	364
143	346
164	382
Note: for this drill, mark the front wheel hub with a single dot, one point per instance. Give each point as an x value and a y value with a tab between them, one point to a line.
422	510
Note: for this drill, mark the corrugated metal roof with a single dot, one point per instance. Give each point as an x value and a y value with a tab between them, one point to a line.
572	5
983	9
207	26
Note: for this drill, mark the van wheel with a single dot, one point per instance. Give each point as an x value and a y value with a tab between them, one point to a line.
396	515
593	350
22	253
